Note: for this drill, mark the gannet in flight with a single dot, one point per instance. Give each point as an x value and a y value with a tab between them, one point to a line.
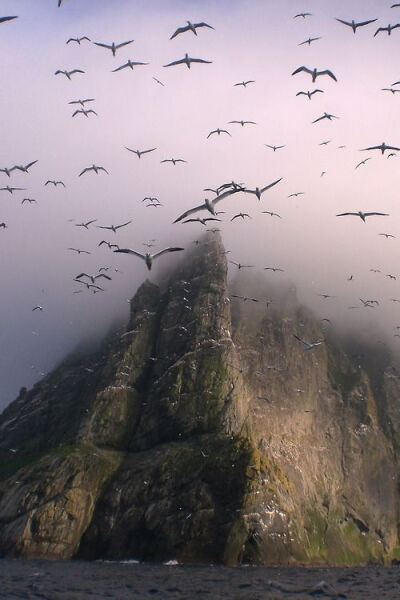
30	200
303	14
85	112
296	194
354	25
388	29
95	169
55	183
130	64
113	47
190	27
218	131
242	215
314	73
207	205
244	83
382	148
309	41
274	148
362	162
387	235
258	191
187	60
240	266
85	225
308	345
68	73
82	102
244	298
38	307
309	94
109	244
148	258
363	215
11	189
78	40
113	227
79	251
203	220
243	123
274	269
272	214
325	116
139	154
173	160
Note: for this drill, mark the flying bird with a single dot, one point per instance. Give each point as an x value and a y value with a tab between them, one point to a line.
173	160
272	214
207	205
244	298
148	258
363	215
258	191
55	183
139	154
362	162
85	225
79	251
128	65
158	81
242	215
388	29
3	225
68	73
355	25
308	345
387	235
95	169
30	200
81	102
310	94
325	116
309	41
109	244
382	148
240	266
315	73
38	307
244	83
11	189
296	194
113	228
274	148
187	60
274	269
218	131
86	113
393	90
190	27
113	47
78	40
243	123
203	221
303	14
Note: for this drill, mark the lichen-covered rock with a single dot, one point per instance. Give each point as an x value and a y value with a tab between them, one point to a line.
205	433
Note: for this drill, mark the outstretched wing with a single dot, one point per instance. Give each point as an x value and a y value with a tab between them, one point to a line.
267	187
202	24
175	62
123	225
362	23
4	19
76	71
200	60
370	214
123	44
179	30
166	250
191	211
121	67
327	72
344	22
300	69
102	45
129	251
348	213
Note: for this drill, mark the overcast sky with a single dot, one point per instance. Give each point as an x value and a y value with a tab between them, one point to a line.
253	39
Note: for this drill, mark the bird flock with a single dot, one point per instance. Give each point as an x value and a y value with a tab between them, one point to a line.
220	196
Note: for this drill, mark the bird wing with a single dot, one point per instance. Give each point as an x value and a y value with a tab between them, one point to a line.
202	24
267	187
211	132
76	71
4	19
224	195
370	214
86	170
362	23
90	222
123	225
327	72
146	151
129	251
82	275
371	148
200	60
79	110
103	169
102	45
300	69
380	29
165	251
123	44
392	148
319	119
121	67
348	213
175	62
344	22
103	275
179	30
235	217
104	227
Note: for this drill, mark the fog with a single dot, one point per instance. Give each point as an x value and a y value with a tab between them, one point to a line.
253	39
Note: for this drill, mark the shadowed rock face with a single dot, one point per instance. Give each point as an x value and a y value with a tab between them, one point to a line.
205	433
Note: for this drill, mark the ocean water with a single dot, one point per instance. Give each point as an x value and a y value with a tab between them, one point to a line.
78	580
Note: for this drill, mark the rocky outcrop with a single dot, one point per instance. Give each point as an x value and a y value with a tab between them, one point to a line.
205	432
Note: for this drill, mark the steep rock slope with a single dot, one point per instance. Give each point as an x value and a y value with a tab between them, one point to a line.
205	433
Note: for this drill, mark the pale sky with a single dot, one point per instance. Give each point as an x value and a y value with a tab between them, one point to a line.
253	39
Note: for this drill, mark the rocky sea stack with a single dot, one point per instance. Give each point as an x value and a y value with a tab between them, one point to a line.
206	433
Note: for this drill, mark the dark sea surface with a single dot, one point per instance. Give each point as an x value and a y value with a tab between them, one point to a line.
75	580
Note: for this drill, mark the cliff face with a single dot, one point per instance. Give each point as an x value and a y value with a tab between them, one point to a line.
205	433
